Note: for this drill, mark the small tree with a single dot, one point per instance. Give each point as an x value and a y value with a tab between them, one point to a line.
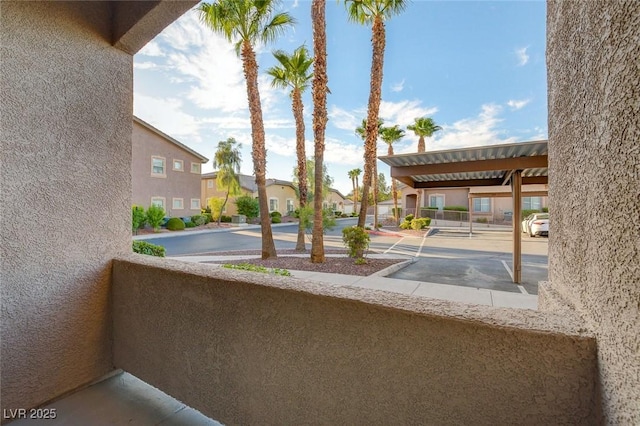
216	205
248	206
155	215
138	218
357	241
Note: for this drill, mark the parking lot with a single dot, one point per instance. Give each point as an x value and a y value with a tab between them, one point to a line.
483	260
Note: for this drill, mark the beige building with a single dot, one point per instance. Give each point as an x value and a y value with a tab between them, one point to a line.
164	172
247	348
478	200
282	194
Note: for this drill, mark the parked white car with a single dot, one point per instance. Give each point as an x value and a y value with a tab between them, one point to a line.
536	224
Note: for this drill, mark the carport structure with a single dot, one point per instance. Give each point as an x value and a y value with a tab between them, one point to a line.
516	164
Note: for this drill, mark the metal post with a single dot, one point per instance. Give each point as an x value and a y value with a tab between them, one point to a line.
516	193
470	219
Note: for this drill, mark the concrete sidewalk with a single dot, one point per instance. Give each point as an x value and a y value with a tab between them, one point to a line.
379	281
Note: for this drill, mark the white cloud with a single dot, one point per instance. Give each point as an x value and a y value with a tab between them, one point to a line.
523	58
208	63
151	49
515	104
167	116
343	119
144	65
403	112
468	132
397	87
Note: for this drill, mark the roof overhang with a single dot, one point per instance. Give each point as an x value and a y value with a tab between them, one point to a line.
468	167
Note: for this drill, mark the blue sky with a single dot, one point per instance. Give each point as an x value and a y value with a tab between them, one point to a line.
477	68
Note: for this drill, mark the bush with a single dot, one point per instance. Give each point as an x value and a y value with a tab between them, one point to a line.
408	218
420	223
248	206
337	213
138	218
276	219
343	215
456	208
199	219
155	216
275	214
207	218
356	240
545	210
215	205
482	220
175	224
144	247
189	225
527	212
226	219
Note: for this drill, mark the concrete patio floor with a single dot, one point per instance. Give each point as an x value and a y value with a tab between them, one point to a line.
119	399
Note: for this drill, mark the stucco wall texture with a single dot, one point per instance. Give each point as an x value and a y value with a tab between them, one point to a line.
593	49
66	189
247	348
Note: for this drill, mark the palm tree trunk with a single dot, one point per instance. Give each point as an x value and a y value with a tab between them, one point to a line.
319	86
298	110
421	146
258	152
417	212
378	43
355	191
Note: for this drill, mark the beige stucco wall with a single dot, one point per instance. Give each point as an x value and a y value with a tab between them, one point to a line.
206	193
282	193
66	166
176	184
249	348
594	166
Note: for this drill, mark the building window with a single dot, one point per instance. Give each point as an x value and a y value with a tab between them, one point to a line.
195	168
273	204
334	206
195	204
531	203
436	201
482	205
178	203
178	165
290	206
157	201
157	167
209	183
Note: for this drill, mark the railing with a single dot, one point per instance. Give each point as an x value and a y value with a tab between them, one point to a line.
249	348
461	218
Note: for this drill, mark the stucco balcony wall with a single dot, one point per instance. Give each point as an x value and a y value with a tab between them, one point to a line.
248	348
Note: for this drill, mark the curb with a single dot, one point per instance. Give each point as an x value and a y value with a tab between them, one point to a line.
393	268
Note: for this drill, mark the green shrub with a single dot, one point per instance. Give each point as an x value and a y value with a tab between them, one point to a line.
199	219
190	225
208	218
248	206
215	205
275	214
482	220
343	215
306	217
175	224
144	247
138	218
337	213
545	210
456	208
420	223
527	212
429	208
226	219
276	219
356	240
408	218
154	216
405	225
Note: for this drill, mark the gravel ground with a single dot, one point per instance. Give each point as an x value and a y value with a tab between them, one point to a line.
335	265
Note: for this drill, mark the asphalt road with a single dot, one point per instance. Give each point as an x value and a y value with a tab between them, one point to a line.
243	239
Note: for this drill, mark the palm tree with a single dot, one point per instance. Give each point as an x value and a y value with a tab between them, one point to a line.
353	175
293	72
423	127
227	160
373	12
362	132
319	84
390	135
251	22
